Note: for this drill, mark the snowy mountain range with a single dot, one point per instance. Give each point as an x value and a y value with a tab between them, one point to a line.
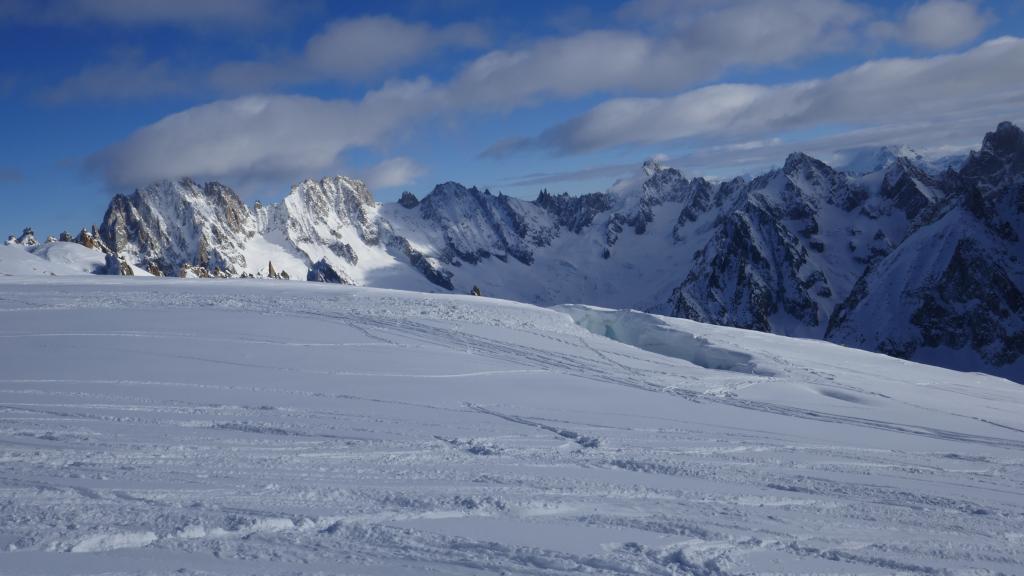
890	253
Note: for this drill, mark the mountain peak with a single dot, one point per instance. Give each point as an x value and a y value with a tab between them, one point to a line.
870	159
1000	160
652	166
799	161
27	238
1007	140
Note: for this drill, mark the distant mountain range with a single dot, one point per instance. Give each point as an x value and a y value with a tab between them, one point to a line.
918	259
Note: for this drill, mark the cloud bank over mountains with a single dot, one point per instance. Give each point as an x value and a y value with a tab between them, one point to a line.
652	73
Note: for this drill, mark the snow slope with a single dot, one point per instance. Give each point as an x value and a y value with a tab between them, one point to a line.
53	259
245	427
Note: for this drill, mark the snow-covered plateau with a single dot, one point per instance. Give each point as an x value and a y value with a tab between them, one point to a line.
155	426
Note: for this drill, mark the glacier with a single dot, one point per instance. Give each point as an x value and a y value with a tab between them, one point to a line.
192	426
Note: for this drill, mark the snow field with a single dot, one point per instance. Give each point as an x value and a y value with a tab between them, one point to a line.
153	426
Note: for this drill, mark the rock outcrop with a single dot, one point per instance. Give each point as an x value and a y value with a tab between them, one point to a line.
323	272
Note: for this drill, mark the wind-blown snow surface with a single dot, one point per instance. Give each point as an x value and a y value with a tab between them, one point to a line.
243	427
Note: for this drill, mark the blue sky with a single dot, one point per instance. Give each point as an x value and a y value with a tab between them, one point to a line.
102	96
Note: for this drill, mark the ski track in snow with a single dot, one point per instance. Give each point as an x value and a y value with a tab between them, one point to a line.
233	427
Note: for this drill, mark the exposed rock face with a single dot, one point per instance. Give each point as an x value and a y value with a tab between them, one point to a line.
1000	162
316	213
171	224
750	274
27	238
92	240
955	287
665	185
431	268
910	188
408	200
190	271
323	272
476	224
574	212
116	266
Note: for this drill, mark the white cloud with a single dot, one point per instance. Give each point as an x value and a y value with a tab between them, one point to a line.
935	25
752	157
267	136
371	46
393	172
685	43
985	78
703	43
701	46
939	24
351	50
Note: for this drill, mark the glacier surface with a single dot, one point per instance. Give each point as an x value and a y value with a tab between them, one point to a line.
242	427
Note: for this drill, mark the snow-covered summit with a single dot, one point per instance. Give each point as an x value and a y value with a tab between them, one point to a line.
170	224
868	159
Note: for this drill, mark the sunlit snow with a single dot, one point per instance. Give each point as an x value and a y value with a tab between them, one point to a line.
270	427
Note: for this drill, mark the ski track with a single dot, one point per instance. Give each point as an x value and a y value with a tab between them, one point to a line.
235	428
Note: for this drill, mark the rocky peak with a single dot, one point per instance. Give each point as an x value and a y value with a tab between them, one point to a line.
235	213
652	166
874	158
327	218
408	200
574	212
799	163
811	179
664	185
1000	160
1006	141
479	224
448	193
27	238
322	271
909	187
171	223
116	266
336	190
92	240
